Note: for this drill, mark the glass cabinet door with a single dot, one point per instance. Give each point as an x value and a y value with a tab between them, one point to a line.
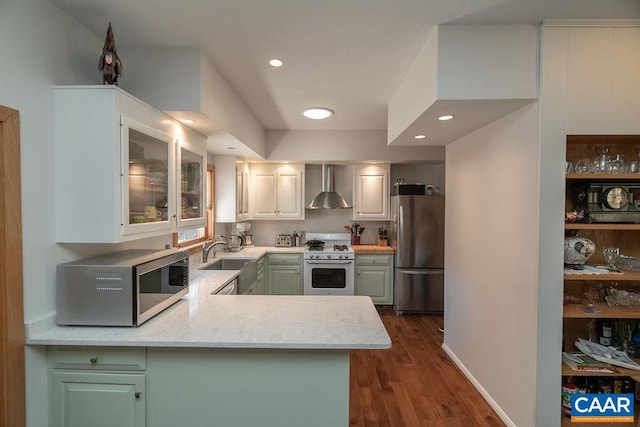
147	189
192	210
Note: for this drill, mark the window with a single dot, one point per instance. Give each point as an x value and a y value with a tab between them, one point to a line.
189	237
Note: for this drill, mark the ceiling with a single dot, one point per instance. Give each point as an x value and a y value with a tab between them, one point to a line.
347	55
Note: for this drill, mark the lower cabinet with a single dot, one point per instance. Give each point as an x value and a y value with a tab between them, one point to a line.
261	283
97	387
374	277
284	274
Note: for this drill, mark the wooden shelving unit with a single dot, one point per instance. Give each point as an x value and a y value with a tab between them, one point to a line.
574	311
603	176
621	277
625	236
600	226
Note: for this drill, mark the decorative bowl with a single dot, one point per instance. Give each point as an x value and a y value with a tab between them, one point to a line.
620	298
628	263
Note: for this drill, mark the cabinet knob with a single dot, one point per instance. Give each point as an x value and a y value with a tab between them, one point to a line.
137	394
94	360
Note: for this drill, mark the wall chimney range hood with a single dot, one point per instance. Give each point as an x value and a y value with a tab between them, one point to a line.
328	198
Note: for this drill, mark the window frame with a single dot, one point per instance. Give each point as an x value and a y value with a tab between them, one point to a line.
209	229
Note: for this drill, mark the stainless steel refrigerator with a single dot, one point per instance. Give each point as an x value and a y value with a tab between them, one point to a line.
417	235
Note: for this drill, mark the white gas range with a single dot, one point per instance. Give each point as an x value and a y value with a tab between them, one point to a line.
328	264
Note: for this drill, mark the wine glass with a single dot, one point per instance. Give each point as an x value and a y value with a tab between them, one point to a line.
582	166
617	164
611	256
602	163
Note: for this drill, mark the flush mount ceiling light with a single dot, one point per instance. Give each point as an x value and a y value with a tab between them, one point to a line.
187	121
445	117
317	113
420	136
275	62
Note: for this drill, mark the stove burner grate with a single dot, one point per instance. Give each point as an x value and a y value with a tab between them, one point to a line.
340	247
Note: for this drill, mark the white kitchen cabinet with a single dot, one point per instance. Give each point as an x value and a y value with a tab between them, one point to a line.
115	167
99	387
231	189
277	192
192	212
371	192
242	191
374	277
596	55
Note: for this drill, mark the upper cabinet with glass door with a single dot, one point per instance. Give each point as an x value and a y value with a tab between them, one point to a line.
192	161
116	167
147	202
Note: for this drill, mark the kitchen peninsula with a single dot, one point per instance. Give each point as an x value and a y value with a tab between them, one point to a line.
215	360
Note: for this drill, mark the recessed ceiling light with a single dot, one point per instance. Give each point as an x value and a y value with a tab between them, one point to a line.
421	136
317	113
275	62
445	117
188	121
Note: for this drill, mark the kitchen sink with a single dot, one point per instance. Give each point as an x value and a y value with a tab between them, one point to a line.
229	264
248	271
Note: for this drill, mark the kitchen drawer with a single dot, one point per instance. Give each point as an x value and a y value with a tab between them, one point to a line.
284	259
374	260
98	358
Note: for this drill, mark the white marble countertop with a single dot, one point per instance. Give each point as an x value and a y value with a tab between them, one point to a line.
201	319
252	252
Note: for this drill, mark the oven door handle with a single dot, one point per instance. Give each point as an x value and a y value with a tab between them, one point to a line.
329	262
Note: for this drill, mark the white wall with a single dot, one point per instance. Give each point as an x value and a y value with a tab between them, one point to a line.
183	79
487	62
465	62
417	91
491	261
41	47
348	145
333	220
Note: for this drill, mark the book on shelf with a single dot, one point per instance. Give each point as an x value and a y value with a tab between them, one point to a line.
584	363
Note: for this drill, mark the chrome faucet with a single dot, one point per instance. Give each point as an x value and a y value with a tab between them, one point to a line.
210	244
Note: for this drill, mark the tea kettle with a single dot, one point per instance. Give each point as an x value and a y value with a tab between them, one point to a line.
236	241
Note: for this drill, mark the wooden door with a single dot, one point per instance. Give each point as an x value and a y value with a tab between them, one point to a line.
12	388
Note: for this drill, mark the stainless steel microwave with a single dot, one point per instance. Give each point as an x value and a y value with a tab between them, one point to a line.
124	288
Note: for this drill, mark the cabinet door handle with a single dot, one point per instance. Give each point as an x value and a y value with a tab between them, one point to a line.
94	360
137	394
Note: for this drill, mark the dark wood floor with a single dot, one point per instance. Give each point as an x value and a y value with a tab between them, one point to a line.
414	383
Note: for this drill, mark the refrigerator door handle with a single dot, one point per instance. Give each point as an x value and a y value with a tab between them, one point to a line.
400	227
420	272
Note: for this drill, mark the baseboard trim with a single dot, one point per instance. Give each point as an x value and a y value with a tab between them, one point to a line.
503	416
